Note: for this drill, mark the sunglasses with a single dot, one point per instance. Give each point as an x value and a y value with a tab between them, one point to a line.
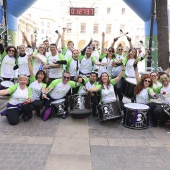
11	51
110	51
120	49
147	81
66	77
164	78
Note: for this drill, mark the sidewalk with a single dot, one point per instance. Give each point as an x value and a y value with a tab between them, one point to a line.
71	144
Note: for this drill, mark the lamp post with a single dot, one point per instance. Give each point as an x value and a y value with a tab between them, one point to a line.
35	33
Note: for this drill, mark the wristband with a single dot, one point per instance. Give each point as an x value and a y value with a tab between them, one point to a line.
123	70
136	69
44	93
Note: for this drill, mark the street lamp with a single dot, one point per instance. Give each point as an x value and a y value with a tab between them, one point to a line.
35	33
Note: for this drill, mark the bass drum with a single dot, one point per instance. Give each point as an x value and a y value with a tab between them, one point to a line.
80	106
127	87
135	116
108	111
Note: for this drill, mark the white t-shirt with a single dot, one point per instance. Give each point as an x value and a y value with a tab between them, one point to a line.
19	96
157	85
143	97
129	71
68	54
86	65
23	65
87	86
7	66
37	63
107	68
54	72
108	95
48	53
166	96
73	67
96	55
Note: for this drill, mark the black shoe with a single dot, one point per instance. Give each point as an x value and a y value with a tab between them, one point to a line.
38	113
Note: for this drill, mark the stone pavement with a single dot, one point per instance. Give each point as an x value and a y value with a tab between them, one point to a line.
86	144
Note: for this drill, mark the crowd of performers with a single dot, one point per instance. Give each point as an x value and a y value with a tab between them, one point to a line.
48	74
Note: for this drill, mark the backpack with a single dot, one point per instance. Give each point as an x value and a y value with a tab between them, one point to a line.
46	114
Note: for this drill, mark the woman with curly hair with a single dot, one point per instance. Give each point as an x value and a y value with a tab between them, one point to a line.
143	92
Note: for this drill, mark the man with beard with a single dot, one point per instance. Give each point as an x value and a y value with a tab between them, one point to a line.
164	91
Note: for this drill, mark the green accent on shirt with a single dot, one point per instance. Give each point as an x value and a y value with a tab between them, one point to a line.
33	78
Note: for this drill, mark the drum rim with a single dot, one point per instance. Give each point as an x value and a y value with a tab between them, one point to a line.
8	82
130	81
62	100
136	108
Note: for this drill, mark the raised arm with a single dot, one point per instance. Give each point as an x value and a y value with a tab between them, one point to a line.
58	39
63	38
120	75
26	39
1	47
84	49
114	41
130	42
144	56
30	66
103	39
138	78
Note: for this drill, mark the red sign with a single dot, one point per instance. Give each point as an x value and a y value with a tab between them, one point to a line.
82	11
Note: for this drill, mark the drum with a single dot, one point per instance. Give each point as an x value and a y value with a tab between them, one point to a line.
157	101
58	107
145	73
109	111
135	116
127	87
80	106
6	84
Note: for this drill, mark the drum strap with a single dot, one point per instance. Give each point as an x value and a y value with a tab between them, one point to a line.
135	116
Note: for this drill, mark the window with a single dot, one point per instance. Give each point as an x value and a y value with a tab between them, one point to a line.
123	11
83	28
108	29
122	27
108	10
96	29
42	23
48	24
69	27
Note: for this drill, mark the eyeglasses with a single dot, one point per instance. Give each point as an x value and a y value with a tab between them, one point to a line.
164	78
147	81
66	77
89	47
11	51
110	51
153	75
120	49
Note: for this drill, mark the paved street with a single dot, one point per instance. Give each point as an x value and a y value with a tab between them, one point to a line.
86	144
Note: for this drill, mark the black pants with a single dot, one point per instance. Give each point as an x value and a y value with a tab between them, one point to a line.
14	114
37	104
95	101
152	107
160	114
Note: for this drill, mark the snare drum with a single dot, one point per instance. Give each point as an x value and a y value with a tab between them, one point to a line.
145	73
58	107
135	116
6	84
128	87
109	111
80	106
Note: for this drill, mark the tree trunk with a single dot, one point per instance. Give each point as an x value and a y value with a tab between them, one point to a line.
163	37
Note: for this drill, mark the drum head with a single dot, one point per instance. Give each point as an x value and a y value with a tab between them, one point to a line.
7	83
58	101
145	73
136	106
131	80
157	101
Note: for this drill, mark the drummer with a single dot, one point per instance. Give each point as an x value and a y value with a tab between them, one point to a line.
89	83
87	63
164	91
155	80
105	87
37	86
143	92
58	90
8	61
19	102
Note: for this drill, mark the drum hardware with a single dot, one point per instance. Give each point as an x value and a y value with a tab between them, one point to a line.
166	108
58	107
141	42
135	116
